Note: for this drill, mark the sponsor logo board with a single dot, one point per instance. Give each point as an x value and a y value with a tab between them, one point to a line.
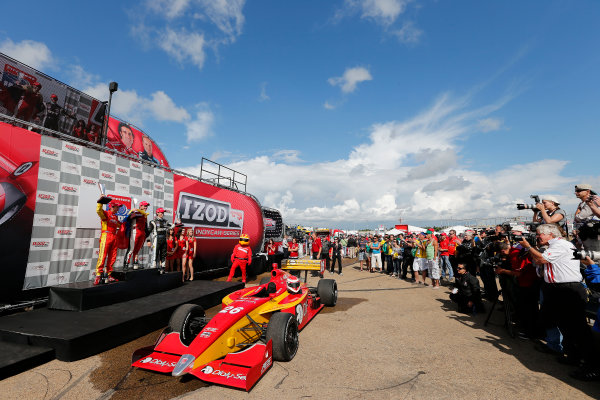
38	269
67	188
61	255
70	168
71	148
66	210
109	158
210	218
41	244
49	152
90	162
44	220
49	175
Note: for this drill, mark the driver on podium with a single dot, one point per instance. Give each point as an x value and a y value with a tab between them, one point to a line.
159	227
137	219
108	239
241	257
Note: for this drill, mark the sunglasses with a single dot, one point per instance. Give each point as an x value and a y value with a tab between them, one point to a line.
580	190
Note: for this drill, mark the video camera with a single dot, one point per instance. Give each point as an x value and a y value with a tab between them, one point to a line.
581	254
535	197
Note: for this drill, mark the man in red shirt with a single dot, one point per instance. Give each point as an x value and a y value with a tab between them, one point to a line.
445	258
453	241
316	247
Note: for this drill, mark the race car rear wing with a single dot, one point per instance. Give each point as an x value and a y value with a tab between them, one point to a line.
304	264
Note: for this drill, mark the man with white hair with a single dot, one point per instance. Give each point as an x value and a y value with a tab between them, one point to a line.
564	294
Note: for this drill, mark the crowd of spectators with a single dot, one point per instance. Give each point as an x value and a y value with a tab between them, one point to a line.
531	267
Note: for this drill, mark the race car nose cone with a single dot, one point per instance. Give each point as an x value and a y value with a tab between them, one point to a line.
182	364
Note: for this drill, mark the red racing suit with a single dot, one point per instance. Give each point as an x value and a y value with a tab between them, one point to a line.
241	257
108	240
138	233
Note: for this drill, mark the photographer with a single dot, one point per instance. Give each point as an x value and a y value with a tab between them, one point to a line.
587	217
564	294
466	292
526	292
549	212
467	253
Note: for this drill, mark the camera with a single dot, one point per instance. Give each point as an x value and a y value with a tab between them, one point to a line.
529	236
581	254
535	198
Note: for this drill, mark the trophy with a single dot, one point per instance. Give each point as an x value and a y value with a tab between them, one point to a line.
104	199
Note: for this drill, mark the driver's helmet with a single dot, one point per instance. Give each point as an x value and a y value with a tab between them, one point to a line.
293	284
244	239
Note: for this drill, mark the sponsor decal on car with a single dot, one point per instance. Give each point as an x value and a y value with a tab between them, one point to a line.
158	361
267	363
208	370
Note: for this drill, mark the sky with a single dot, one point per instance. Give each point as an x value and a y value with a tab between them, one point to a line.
346	113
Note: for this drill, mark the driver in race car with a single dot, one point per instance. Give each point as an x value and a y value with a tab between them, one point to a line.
108	239
241	257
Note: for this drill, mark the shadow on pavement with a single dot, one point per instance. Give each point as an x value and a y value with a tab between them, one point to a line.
522	349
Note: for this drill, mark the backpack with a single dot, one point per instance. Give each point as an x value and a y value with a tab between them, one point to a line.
325	246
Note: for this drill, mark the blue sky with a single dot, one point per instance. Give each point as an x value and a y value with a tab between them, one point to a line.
347	113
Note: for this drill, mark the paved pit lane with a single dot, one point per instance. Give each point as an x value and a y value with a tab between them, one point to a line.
385	339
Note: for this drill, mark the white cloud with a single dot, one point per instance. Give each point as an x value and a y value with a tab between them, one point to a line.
263	92
226	15
328	106
408	33
32	53
163	108
489	124
384	12
351	78
410	169
201	126
183	46
169	8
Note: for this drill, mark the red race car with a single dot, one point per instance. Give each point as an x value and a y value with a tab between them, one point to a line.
255	326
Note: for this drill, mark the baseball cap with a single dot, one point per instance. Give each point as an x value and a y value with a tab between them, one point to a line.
583	186
550	198
53	96
162	210
430	231
36	84
144	203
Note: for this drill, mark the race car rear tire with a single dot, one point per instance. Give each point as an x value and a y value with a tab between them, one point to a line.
185	320
327	291
283	331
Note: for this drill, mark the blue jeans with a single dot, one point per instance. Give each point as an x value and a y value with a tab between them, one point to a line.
445	265
397	266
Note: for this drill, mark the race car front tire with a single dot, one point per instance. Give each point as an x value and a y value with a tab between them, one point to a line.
327	291
186	320
283	331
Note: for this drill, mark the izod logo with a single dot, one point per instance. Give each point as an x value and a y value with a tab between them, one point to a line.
158	187
136	165
44	196
147	192
89	181
40	244
201	211
64	232
72	148
80	263
122	170
107	175
70	189
168	182
50	152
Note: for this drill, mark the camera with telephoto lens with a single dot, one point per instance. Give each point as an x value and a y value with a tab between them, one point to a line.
589	230
536	198
581	254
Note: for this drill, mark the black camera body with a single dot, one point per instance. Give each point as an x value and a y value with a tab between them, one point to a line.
589	230
535	197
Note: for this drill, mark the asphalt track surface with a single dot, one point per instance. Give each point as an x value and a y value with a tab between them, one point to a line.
385	339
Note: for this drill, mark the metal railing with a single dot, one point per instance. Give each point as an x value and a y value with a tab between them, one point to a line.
221	175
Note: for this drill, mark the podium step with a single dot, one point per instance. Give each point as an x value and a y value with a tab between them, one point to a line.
132	284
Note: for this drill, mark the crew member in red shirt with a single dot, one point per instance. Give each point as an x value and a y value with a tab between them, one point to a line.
294	249
241	257
108	240
316	247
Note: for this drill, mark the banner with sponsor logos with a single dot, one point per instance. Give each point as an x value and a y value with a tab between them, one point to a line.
218	216
65	237
19	164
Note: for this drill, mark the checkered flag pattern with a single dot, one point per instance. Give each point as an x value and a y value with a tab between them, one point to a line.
63	250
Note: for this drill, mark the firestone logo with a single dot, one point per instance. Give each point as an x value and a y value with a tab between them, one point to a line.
157	361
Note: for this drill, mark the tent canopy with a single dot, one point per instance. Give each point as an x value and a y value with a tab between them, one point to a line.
458	228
